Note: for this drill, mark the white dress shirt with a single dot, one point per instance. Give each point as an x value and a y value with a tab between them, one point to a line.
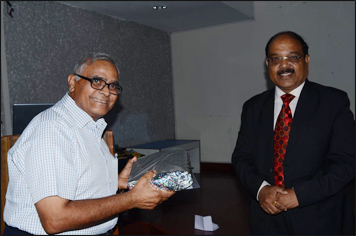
60	153
278	102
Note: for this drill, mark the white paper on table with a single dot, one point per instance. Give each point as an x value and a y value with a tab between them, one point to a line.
205	223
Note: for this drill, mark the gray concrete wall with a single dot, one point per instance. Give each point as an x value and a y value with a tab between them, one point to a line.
43	42
216	69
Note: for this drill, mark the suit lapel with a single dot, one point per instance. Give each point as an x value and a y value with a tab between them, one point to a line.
266	129
306	103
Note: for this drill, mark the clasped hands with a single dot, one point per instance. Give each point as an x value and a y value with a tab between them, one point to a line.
274	199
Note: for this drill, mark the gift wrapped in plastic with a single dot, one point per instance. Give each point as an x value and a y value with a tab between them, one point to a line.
172	166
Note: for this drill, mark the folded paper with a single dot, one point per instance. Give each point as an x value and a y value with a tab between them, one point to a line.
205	223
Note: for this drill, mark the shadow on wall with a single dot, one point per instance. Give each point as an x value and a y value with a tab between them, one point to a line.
114	113
131	129
269	83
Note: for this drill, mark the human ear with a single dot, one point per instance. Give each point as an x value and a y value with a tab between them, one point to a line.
307	58
71	82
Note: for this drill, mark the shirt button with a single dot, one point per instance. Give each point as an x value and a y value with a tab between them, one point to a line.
271	170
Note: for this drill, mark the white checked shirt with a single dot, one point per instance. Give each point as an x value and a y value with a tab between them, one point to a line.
60	153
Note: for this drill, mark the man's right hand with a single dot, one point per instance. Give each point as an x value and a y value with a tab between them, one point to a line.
146	196
267	198
58	214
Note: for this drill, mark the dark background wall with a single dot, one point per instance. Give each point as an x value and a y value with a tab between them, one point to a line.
43	42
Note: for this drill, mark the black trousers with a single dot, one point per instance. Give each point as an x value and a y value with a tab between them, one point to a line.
281	224
9	230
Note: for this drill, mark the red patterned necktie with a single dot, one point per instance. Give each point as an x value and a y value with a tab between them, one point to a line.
281	137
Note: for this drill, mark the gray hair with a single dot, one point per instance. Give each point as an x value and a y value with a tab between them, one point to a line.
89	59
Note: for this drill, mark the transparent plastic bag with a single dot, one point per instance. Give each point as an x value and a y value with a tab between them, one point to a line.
173	169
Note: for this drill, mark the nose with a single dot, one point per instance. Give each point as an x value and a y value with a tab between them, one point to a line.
105	90
284	63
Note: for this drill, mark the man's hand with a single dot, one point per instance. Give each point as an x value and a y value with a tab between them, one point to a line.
146	196
268	199
58	214
289	200
125	173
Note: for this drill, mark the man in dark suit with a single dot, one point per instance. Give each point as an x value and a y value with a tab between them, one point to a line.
295	151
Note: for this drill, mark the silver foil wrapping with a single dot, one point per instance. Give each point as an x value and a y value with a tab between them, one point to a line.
173	169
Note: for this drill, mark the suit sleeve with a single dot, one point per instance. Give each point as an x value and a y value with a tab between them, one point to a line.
242	158
339	165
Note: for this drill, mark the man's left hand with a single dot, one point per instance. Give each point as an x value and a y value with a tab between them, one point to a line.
289	200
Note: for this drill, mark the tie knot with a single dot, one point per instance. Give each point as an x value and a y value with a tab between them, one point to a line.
287	98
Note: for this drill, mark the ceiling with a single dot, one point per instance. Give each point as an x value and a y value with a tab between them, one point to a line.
178	15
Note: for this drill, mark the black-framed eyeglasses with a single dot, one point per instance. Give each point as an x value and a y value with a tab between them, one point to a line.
99	84
278	60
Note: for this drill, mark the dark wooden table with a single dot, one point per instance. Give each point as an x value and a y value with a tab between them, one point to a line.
220	195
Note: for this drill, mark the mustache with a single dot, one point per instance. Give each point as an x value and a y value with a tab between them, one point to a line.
287	70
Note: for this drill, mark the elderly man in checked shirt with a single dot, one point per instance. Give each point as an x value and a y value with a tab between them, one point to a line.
62	177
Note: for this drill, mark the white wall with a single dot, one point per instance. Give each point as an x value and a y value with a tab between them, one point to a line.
216	69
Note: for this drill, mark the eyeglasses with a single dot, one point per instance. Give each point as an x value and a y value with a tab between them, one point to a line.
278	60
99	84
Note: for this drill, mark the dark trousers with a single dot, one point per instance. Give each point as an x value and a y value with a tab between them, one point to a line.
281	224
9	230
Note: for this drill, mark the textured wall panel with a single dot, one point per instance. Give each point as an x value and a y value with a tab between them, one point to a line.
2	115
44	40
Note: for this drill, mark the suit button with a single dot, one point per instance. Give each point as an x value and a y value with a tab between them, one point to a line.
270	170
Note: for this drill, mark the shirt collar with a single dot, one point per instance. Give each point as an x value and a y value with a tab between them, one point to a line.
80	117
296	92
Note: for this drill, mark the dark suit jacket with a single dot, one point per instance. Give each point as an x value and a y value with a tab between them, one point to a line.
319	161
